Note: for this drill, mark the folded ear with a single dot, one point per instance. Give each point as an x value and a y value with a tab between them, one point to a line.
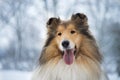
80	19
53	22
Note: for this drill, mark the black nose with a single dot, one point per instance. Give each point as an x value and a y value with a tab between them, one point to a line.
65	44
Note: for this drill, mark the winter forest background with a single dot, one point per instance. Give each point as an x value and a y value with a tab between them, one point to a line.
23	32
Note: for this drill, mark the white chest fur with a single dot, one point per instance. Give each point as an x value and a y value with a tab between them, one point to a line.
61	71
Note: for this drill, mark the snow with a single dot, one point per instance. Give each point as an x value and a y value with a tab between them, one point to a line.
15	75
113	76
24	75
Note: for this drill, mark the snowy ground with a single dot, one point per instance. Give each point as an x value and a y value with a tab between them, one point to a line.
15	75
20	75
113	77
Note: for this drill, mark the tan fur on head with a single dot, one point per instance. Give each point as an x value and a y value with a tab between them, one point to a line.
86	65
86	45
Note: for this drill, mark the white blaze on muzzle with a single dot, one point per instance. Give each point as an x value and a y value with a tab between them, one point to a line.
66	44
68	49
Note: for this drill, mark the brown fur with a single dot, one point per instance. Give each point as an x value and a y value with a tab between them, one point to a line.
87	49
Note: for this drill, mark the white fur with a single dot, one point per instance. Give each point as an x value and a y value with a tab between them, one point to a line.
71	45
61	71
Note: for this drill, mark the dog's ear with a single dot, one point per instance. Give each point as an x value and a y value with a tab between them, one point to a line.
80	20
53	22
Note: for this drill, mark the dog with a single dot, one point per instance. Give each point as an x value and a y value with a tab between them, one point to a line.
70	52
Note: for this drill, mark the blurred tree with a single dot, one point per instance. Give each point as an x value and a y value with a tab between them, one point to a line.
17	19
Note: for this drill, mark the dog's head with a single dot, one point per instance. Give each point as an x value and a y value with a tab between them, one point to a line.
66	38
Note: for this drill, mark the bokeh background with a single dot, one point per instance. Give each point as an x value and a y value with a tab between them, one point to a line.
23	32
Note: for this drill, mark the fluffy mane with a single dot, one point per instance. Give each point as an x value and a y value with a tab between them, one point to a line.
87	60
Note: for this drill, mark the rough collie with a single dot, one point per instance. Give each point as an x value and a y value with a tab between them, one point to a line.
70	52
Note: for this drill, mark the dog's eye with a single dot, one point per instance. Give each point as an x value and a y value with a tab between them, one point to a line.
59	34
72	32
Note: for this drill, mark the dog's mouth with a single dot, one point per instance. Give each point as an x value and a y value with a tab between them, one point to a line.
69	55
